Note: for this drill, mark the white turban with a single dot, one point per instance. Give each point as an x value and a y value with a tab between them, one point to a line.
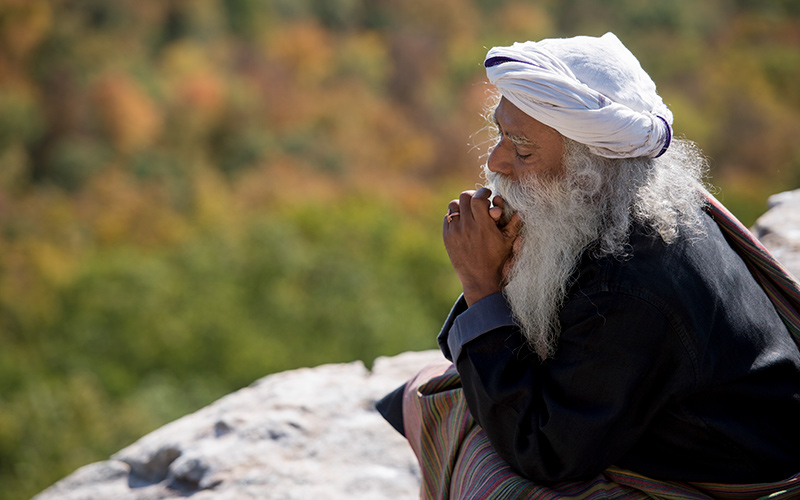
592	90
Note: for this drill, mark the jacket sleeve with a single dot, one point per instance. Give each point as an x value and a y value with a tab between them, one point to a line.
619	361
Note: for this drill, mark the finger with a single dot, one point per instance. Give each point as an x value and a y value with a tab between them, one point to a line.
498	211
453	212
448	222
451	218
517	245
483	193
498	201
480	203
453	207
514	226
464	204
505	211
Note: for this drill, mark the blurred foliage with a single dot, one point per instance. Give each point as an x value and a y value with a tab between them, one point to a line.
194	194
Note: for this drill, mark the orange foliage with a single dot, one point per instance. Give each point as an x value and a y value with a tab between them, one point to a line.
199	102
23	26
284	182
202	93
128	114
196	86
524	20
377	134
445	19
305	49
116	209
364	56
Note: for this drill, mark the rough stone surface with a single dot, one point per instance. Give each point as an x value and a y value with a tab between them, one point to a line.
307	433
300	434
779	229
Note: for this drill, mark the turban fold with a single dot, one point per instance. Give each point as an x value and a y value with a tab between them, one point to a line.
592	90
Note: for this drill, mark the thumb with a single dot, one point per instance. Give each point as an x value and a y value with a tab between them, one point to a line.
496	213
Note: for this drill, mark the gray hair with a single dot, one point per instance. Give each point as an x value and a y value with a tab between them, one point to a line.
664	194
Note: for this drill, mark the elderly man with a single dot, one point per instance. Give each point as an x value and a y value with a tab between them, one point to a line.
606	318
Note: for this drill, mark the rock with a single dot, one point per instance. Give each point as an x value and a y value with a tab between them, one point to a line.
779	229
306	433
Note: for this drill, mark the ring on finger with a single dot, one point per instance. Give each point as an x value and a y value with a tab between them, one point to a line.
451	215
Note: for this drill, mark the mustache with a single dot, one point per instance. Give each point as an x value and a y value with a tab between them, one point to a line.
524	195
502	186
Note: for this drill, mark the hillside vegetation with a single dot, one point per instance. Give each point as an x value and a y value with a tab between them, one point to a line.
196	193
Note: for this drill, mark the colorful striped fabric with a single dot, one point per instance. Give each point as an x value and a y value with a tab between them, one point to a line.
457	462
781	287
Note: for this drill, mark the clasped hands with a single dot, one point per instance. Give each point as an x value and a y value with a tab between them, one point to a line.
480	243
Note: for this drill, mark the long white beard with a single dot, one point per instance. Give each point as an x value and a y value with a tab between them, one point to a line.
560	221
595	201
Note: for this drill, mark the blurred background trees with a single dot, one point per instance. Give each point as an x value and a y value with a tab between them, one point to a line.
195	193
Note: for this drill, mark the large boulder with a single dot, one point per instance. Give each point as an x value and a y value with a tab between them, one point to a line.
300	434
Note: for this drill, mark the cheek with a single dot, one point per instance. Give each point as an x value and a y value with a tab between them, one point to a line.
556	170
542	169
555	163
558	156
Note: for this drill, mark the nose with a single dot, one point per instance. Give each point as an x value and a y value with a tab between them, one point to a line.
498	159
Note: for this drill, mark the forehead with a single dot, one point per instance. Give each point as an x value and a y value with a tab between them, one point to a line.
515	122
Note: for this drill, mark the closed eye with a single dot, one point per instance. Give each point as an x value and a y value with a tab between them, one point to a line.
517	141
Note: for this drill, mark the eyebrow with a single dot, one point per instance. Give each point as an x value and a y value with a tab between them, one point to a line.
520	141
515	139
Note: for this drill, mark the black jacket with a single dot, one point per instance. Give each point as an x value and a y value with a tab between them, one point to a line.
672	363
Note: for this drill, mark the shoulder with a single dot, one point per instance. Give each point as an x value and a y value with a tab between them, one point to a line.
695	292
651	268
656	292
